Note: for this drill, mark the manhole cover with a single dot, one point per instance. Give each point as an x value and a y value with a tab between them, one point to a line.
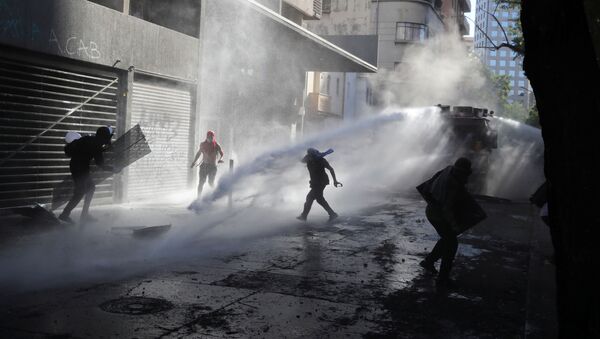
136	305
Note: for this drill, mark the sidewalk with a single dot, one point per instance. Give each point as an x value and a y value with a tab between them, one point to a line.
358	277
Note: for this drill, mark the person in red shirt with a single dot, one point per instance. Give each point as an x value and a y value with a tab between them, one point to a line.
208	167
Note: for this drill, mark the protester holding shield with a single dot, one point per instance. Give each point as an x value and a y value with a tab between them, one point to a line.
81	150
450	210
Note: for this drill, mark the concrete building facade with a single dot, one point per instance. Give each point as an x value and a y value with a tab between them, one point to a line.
380	32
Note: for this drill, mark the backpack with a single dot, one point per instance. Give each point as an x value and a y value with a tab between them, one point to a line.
72	139
425	188
72	147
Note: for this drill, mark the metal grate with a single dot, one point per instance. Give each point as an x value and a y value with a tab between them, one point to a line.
32	99
318	8
163	113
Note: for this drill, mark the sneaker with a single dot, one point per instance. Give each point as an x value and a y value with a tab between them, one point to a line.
446	283
66	219
333	216
301	217
428	266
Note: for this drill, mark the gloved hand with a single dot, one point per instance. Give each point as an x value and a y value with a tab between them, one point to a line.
192	165
338	184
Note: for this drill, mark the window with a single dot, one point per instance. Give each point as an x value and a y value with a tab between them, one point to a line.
494	33
505	14
502	53
511	73
117	5
502	63
182	15
521	83
512	63
492	62
407	31
493	53
326	6
494	23
501	72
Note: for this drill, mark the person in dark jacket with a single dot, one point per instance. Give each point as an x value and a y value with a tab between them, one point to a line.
316	165
81	152
444	193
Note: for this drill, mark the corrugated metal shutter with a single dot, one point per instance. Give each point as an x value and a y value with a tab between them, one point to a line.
32	98
163	113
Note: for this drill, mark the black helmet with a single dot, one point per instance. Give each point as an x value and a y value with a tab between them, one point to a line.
463	165
104	133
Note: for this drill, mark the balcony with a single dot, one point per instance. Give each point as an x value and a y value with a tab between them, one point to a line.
317	102
309	9
465	5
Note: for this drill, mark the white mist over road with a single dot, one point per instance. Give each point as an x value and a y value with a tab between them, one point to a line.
375	158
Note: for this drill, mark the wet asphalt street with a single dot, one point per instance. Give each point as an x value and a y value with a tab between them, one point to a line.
357	277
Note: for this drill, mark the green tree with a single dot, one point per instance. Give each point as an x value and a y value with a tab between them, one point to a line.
533	118
502	87
515	111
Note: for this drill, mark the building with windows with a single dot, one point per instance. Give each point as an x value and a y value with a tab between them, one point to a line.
379	32
493	23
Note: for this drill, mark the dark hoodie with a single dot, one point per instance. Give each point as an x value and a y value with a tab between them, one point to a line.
444	192
82	151
316	168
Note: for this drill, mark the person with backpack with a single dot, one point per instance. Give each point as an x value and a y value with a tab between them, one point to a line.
316	165
208	167
81	151
450	210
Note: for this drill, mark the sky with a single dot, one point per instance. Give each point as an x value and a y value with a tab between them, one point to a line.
471	19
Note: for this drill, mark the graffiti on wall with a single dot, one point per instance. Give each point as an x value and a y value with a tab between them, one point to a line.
17	26
13	26
166	167
74	46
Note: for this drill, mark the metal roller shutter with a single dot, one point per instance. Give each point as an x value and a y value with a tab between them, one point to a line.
163	113
32	98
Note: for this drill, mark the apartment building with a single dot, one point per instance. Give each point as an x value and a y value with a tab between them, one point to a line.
379	32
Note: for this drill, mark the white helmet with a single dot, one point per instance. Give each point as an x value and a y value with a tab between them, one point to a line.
72	136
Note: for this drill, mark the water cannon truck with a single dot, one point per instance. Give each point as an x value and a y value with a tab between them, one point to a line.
473	135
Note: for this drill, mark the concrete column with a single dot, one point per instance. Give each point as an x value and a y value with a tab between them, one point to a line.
123	124
194	139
